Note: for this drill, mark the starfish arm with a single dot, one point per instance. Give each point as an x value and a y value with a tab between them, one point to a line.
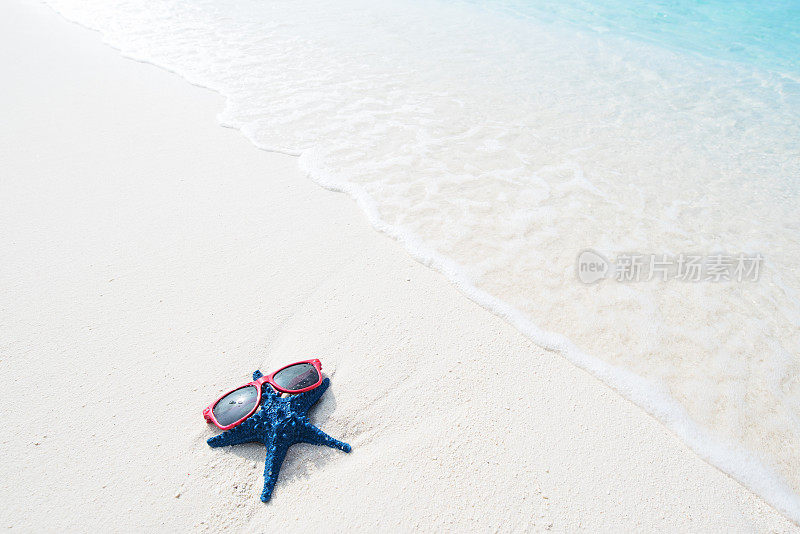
302	402
276	452
234	436
308	433
257	374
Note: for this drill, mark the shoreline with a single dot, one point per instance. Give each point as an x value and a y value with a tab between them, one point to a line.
182	228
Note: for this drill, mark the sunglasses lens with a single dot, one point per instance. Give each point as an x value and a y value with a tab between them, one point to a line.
296	377
235	405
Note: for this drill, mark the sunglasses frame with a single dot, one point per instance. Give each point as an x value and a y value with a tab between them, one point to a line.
208	413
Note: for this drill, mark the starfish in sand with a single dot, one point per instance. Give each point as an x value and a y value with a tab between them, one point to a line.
278	424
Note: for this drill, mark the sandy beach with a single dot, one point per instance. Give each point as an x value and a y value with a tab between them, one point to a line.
153	260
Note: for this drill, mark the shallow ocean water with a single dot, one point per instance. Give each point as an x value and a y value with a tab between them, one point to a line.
498	140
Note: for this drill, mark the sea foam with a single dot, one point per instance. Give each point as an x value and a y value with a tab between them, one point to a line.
497	141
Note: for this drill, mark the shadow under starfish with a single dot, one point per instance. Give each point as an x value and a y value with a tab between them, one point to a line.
279	424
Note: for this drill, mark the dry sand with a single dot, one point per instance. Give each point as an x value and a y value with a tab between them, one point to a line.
151	260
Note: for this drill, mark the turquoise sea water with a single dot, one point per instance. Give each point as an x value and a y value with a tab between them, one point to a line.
764	33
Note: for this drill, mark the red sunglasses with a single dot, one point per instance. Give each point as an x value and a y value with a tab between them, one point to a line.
238	404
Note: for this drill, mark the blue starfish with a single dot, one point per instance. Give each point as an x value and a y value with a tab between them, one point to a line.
279	424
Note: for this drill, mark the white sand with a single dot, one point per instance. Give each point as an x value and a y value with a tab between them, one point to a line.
151	259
